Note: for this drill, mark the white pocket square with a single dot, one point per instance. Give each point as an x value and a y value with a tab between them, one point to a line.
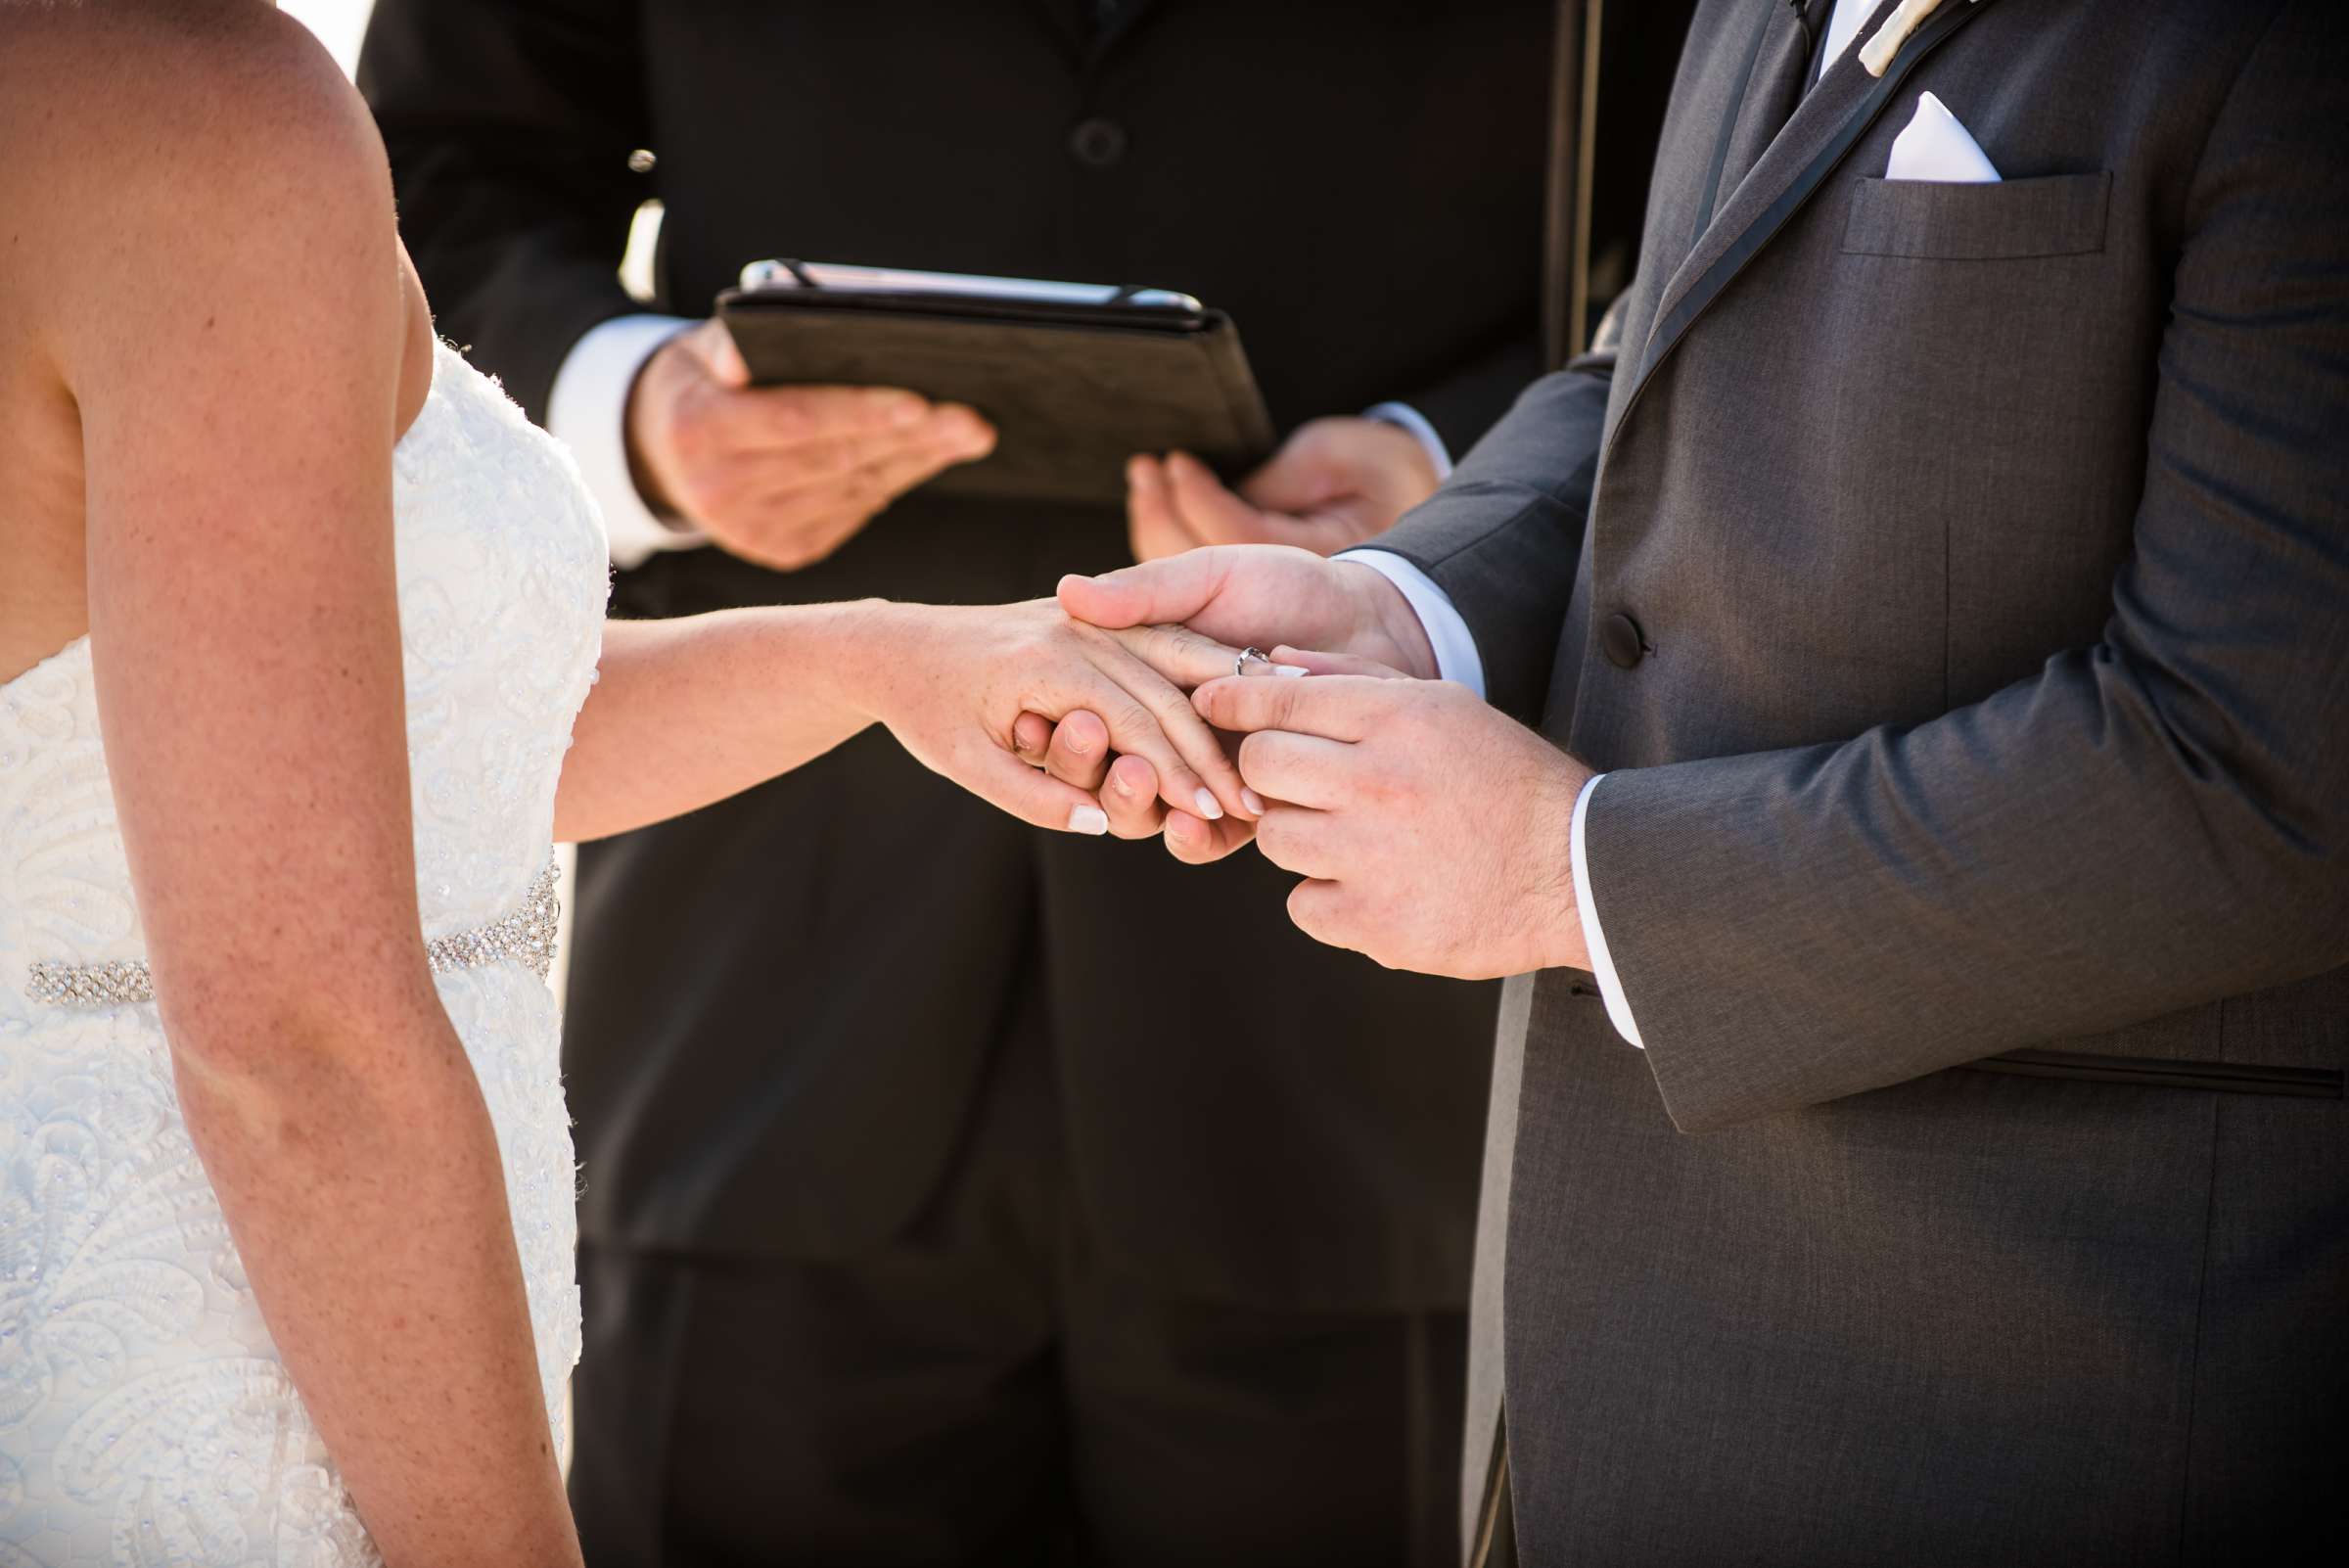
1935	147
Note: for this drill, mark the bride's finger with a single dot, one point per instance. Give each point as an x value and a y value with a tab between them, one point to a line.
1136	730
1333	664
1130	797
1180	654
1032	738
1077	752
1134	812
1002	781
1197	843
1194	773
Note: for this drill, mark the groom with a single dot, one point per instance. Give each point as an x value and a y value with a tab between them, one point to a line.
1919	1137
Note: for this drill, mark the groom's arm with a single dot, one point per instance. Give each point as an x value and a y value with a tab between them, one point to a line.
510	128
1498	546
2153	822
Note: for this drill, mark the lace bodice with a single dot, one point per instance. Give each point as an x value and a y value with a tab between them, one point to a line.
143	1417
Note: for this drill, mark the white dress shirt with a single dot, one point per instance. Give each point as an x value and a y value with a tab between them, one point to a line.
589	408
1842	23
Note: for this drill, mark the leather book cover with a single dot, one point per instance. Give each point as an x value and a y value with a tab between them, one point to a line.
1073	391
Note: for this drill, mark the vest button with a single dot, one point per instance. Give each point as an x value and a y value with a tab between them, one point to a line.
1098	143
1620	640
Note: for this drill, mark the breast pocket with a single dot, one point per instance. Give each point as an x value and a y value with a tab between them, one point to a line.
2058	215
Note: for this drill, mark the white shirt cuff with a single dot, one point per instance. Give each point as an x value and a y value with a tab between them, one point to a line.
1457	658
1405	416
588	411
1610	985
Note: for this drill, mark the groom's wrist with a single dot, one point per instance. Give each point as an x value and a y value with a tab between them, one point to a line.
1389	628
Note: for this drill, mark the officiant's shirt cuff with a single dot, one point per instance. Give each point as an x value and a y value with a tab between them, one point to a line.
1457	658
1610	987
1403	416
587	410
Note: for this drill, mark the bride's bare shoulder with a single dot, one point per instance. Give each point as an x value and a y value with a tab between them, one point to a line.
122	116
153	63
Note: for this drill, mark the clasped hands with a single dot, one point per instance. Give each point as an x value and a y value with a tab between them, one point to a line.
1432	831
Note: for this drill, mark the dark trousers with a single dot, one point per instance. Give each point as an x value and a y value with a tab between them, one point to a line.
980	1391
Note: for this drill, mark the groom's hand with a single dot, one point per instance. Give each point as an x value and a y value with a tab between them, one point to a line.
1256	596
1434	832
781	476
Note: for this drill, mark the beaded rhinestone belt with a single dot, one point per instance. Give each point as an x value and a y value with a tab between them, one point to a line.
527	936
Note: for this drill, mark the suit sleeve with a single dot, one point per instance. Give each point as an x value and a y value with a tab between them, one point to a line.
510	126
2153	822
1466	402
1502	536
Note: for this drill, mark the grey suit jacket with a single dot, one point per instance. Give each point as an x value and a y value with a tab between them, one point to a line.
1956	580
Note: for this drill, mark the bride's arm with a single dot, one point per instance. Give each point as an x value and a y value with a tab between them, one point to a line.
687	712
230	317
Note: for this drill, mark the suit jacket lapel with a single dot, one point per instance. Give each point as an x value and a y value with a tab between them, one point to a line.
1829	120
1774	62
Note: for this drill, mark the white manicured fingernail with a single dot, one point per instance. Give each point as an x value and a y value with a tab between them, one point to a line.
1292	672
1089	819
1253	800
1209	807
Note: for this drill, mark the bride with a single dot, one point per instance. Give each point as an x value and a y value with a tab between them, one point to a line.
302	667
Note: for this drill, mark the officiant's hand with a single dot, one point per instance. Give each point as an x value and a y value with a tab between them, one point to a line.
781	476
1333	484
1434	831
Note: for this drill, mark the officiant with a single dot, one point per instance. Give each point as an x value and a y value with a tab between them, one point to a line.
938	1205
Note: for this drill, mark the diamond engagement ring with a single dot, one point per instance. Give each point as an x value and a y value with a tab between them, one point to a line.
1239	666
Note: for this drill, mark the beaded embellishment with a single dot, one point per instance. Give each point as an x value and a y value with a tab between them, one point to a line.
527	936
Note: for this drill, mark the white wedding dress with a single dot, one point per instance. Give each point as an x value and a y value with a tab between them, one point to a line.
145	1418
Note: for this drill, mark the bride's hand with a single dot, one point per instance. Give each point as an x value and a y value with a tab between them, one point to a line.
1077	750
951	684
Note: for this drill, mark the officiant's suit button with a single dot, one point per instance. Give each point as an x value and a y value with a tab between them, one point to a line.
1098	143
1620	640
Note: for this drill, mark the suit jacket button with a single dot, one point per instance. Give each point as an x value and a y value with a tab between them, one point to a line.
1620	640
1098	143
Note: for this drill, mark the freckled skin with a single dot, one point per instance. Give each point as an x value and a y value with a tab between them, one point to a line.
196	469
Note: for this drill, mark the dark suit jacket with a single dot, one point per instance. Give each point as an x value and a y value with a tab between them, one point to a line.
1958	577
780	1005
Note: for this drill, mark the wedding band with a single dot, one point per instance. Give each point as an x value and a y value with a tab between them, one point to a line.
1239	666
